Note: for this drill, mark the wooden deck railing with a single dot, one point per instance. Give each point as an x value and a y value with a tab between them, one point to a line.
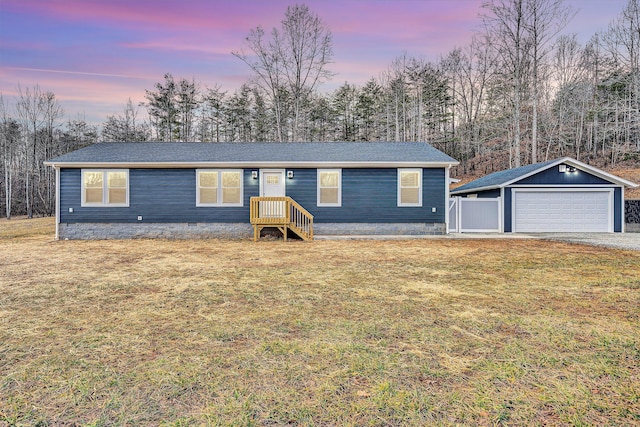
283	213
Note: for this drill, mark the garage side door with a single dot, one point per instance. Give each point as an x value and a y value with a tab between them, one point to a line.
562	211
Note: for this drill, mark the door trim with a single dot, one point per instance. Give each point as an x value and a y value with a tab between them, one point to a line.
283	187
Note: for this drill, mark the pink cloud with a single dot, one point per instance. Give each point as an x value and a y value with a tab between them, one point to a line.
169	45
159	14
140	40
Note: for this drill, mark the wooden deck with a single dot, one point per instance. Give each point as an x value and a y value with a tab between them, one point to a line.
282	213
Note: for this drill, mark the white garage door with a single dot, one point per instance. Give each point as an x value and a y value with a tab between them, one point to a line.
562	211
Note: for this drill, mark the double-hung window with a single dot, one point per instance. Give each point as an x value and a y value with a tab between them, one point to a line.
105	187
409	187
330	187
219	187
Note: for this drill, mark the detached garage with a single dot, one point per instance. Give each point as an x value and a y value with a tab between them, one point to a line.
562	195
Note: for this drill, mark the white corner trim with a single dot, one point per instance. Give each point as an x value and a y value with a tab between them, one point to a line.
57	203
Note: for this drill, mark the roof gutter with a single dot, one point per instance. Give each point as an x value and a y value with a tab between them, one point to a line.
189	165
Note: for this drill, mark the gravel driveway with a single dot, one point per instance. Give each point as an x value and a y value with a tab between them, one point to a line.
629	241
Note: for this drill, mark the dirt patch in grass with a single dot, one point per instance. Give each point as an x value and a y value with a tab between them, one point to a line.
224	332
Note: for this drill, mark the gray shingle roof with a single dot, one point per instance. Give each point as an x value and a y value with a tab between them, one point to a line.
254	153
510	176
498	179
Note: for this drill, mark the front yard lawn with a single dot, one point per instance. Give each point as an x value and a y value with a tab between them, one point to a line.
361	333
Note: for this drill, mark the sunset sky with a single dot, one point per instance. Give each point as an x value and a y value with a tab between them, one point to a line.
95	54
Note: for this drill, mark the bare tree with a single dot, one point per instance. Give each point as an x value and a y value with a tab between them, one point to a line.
306	50
622	40
9	137
31	110
291	63
505	25
125	127
46	185
267	66
470	70
622	43
546	19
567	60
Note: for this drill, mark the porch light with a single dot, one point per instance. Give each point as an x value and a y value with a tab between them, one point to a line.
254	174
290	174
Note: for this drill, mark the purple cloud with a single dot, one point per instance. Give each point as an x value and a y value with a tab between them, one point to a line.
96	54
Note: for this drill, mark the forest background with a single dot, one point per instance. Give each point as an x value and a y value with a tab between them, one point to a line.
522	91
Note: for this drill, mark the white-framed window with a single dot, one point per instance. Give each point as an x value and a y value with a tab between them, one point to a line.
219	187
409	187
105	187
330	187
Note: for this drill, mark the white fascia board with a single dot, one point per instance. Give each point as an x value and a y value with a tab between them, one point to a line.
57	203
579	165
247	165
536	171
568	186
599	173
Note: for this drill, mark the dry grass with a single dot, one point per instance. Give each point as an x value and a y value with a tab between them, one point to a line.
366	333
632	175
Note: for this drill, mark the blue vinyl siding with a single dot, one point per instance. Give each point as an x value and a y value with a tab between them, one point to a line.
159	195
169	195
506	203
370	195
488	194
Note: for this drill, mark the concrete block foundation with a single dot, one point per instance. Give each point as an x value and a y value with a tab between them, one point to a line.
90	231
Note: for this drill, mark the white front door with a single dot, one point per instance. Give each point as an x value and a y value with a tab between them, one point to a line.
272	184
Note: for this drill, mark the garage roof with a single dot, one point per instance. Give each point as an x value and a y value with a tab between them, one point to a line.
507	177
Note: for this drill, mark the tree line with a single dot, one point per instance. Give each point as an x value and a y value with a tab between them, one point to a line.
520	92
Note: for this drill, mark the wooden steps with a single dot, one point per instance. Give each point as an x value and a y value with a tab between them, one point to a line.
282	213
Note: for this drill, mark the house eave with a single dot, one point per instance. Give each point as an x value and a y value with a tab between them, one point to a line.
600	173
565	160
476	190
247	165
579	165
